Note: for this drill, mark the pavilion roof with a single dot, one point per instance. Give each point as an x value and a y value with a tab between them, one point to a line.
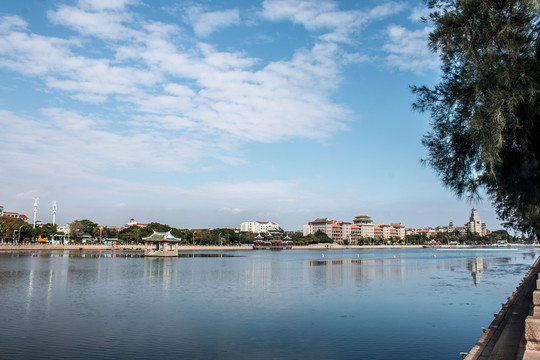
161	237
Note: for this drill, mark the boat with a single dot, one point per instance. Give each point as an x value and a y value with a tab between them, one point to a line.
432	244
502	243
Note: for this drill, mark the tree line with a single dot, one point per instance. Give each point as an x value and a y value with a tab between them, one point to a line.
13	229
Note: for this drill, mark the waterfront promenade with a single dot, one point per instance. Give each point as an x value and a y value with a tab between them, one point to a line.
505	338
139	247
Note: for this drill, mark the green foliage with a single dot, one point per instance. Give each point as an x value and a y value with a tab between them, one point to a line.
9	228
416	239
110	233
131	234
499	235
81	227
322	237
317	238
486	109
46	231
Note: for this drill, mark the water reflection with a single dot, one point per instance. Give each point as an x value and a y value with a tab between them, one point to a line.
396	268
123	306
196	255
161	271
477	266
348	262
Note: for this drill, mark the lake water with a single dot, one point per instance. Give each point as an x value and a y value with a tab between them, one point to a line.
290	304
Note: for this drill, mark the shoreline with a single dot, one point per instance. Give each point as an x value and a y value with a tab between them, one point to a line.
140	247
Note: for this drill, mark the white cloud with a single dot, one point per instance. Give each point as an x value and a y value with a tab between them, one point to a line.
205	23
418	13
100	18
106	4
408	49
316	16
180	105
324	15
12	23
386	9
84	145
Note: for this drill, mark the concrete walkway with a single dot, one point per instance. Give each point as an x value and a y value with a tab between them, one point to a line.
504	338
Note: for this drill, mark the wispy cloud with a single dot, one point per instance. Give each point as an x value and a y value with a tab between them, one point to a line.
419	13
194	86
156	100
325	16
205	23
408	49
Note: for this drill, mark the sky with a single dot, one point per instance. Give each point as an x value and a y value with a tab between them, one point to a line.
207	114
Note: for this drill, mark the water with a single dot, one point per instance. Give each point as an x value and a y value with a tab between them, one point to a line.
295	304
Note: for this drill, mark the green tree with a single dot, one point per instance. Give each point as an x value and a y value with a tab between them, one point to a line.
205	237
245	237
75	229
129	234
89	227
498	235
9	229
109	233
46	231
322	237
486	109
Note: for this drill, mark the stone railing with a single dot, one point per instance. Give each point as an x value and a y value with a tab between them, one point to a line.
532	327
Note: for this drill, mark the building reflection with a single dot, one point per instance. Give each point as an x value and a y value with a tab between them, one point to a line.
365	271
477	266
163	271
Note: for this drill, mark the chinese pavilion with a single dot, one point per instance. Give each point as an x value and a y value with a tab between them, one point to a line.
161	244
272	241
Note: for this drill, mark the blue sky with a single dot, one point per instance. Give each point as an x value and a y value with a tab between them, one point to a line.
211	113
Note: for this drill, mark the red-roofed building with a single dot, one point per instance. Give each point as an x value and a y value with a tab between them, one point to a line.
258	226
132	222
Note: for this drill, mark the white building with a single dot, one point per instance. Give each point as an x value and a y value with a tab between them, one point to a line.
397	230
63	229
475	225
258	226
365	225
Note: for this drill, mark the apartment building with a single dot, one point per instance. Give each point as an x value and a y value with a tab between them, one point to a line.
361	227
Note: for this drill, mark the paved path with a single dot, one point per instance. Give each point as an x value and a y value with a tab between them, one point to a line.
504	340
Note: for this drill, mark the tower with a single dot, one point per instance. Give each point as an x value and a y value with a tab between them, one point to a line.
475	224
54	212
35	211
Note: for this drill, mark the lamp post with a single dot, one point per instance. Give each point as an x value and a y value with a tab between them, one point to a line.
53	220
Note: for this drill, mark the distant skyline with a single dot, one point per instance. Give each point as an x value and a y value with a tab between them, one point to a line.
212	113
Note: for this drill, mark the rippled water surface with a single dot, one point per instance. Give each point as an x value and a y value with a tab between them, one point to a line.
295	304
